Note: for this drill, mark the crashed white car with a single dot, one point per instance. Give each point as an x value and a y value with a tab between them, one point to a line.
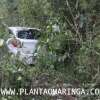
23	42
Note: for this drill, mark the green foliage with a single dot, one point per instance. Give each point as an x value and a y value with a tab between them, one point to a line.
34	12
67	56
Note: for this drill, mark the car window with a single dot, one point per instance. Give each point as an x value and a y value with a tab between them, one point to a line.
29	34
36	33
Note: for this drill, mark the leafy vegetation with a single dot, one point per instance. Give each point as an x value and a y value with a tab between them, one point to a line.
69	56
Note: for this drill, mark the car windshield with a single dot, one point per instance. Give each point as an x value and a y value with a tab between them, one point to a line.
29	34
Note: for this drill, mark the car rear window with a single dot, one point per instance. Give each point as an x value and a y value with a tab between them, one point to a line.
29	34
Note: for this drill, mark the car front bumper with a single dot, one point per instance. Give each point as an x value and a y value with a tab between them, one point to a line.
27	58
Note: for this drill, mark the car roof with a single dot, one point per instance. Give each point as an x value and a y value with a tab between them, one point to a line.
15	30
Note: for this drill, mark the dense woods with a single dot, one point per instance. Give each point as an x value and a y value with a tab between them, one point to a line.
67	56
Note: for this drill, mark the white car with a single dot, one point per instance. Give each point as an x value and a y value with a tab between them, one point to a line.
27	39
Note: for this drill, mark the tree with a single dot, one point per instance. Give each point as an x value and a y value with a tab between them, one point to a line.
34	12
